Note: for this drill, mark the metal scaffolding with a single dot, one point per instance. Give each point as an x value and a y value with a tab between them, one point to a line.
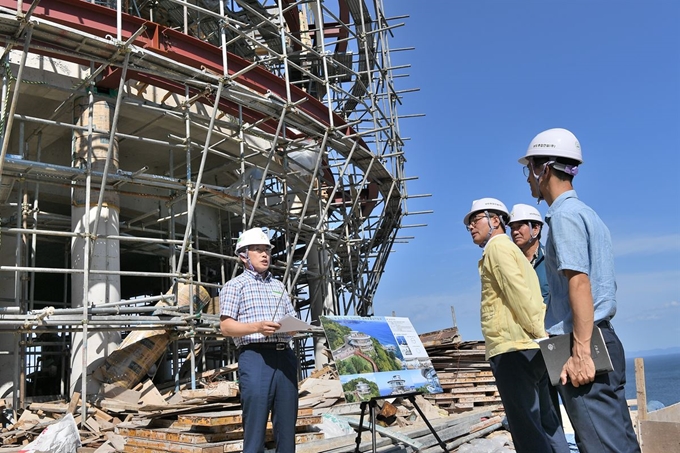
139	138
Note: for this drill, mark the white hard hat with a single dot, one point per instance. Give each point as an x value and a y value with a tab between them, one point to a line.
253	236
524	212
487	204
554	143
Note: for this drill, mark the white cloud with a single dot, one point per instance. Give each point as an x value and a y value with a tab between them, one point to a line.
647	244
649	286
431	312
648	313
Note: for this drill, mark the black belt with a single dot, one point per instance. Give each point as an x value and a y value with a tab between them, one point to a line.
604	324
271	345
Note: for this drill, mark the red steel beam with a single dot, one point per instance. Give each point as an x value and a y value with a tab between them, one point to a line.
101	21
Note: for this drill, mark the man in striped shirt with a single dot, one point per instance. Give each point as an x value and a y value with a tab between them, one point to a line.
251	305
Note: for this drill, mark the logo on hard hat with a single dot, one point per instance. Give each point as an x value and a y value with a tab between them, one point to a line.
544	145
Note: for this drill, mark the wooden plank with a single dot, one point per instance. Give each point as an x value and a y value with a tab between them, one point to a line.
481	399
150	396
462	381
179	435
659	437
197	436
59	408
476	389
153	446
73	404
486	423
464	374
641	390
224	417
219	389
136	445
190	409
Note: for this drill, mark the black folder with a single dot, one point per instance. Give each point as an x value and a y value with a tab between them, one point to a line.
556	351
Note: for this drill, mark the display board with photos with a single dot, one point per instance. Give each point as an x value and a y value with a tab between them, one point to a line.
379	357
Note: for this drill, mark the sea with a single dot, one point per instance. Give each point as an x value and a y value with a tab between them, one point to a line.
662	380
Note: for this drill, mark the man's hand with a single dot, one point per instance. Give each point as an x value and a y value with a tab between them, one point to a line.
579	369
268	328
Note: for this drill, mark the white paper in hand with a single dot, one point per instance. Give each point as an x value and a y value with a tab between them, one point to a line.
292	324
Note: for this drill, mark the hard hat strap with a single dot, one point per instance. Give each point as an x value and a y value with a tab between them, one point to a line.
491	228
246	256
568	169
537	177
531	231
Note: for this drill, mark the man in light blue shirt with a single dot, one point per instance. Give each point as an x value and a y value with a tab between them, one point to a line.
580	272
578	241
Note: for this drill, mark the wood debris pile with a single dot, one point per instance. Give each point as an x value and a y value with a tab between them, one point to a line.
208	420
463	372
205	432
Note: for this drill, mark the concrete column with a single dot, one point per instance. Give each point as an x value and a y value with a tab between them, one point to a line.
105	253
320	297
8	249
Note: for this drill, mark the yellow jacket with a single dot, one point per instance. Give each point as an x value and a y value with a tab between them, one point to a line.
512	309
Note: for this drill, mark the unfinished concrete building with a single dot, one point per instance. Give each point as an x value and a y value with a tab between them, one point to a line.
139	138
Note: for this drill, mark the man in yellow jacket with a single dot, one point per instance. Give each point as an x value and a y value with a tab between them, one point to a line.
512	317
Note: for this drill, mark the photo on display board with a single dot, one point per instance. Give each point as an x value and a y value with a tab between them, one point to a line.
379	357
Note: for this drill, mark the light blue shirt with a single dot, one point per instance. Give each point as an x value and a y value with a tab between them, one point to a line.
579	241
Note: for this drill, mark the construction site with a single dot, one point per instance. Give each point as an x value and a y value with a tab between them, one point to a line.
140	139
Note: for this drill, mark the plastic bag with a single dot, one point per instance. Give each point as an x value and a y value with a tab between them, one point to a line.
59	437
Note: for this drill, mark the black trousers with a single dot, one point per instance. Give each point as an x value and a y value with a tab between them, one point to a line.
598	411
521	378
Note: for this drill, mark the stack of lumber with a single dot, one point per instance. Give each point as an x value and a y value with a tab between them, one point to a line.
463	373
440	337
206	432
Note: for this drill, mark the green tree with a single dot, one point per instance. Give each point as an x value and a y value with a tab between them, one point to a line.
335	333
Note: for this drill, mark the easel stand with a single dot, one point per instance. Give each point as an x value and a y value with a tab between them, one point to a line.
372	405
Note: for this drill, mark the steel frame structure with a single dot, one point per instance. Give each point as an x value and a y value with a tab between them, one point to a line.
225	115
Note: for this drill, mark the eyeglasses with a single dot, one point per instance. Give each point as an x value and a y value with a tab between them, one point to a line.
472	222
259	249
529	169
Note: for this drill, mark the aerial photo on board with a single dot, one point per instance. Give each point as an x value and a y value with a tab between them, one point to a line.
378	357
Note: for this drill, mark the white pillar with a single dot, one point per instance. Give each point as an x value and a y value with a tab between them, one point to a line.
105	253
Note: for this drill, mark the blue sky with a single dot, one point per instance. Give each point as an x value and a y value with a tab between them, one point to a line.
492	74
